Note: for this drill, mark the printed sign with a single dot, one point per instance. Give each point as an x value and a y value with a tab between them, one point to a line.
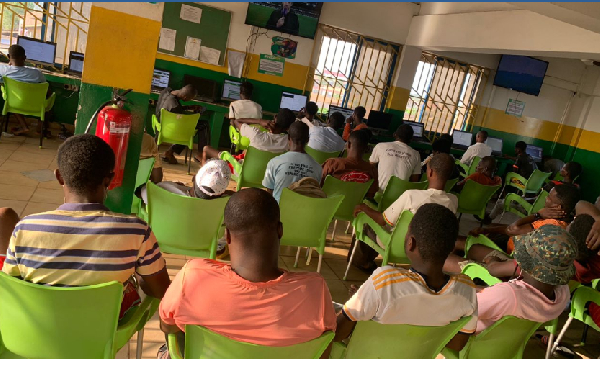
515	107
271	64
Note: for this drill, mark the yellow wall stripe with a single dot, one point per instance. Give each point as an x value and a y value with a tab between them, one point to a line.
399	98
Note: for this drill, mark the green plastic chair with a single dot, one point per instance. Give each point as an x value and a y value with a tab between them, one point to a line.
532	185
354	193
237	140
476	271
483	240
185	225
530	208
474	198
176	129
464	169
142	176
252	171
373	340
306	220
579	311
50	322
395	188
202	343
473	167
393	252
505	339
321	156
26	99
450	184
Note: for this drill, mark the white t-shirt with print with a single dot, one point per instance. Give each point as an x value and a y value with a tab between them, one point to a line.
412	199
284	170
395	159
245	109
265	141
398	296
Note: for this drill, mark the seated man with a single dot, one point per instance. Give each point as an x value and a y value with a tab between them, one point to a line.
286	169
441	145
308	115
540	293
353	167
170	100
83	242
439	170
355	122
326	139
569	172
484	173
275	139
524	164
252	299
397	158
479	149
423	295
17	70
150	149
245	108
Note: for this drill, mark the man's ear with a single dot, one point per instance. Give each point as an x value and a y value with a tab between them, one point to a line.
59	177
280	230
108	179
411	244
227	236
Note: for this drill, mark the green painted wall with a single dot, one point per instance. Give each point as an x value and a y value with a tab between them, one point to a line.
92	97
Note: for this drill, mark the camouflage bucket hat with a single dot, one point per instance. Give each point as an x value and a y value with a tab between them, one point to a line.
547	254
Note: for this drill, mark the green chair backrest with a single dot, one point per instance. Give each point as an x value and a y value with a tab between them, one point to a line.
240	142
320	156
473	166
474	197
306	220
143	172
395	250
353	193
254	167
581	298
373	340
201	343
476	271
50	322
185	225
536	181
177	128
24	98
395	188
505	339
539	202
450	184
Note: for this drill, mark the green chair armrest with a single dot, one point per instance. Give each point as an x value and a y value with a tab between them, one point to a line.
226	156
464	168
135	320
513	197
338	350
552	326
155	124
480	239
3	92
595	284
50	102
450	354
174	349
363	219
371	204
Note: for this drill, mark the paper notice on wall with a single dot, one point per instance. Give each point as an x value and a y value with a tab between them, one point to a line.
271	64
209	55
192	48
235	63
167	39
515	107
190	13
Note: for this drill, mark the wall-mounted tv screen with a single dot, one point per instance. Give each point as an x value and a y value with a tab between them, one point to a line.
298	19
521	73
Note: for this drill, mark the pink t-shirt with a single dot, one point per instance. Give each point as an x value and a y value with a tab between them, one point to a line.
518	298
294	308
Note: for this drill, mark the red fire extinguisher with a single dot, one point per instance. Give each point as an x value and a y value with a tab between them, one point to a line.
113	126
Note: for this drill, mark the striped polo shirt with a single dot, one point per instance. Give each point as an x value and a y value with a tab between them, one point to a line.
81	244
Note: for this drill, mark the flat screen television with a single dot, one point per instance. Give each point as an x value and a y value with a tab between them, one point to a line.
295	18
521	73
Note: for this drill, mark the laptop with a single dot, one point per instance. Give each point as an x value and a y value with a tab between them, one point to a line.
461	140
535	152
496	145
419	131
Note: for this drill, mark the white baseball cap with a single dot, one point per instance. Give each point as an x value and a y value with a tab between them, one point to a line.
215	174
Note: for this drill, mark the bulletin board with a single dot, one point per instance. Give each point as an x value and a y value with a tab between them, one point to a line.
212	29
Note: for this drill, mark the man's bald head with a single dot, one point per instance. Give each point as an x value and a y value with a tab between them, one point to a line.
188	92
251	211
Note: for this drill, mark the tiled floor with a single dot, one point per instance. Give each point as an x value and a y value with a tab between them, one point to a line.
19	189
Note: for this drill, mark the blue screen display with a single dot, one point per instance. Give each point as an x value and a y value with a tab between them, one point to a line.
521	73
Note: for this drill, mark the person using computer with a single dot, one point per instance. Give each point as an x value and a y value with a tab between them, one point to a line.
170	100
308	115
284	20
479	149
245	108
17	70
355	122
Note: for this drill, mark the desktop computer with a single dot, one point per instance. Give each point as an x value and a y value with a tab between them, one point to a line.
38	51
342	110
379	120
231	90
461	139
75	63
535	152
292	101
495	144
207	88
160	79
418	130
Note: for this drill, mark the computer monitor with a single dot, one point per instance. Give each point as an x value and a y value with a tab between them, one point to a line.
379	120
160	79
38	51
231	90
344	111
535	152
292	101
495	144
75	62
418	128
207	88
461	138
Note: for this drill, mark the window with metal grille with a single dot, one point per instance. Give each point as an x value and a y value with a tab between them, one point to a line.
350	70
63	23
444	94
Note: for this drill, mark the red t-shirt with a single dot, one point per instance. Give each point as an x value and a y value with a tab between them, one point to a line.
346	169
483	179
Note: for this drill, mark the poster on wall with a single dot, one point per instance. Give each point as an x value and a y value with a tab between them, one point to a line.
271	65
515	107
284	47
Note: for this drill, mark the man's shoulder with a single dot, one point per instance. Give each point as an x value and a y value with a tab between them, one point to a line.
312	278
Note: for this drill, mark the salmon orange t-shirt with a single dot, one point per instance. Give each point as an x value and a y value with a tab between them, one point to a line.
294	308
